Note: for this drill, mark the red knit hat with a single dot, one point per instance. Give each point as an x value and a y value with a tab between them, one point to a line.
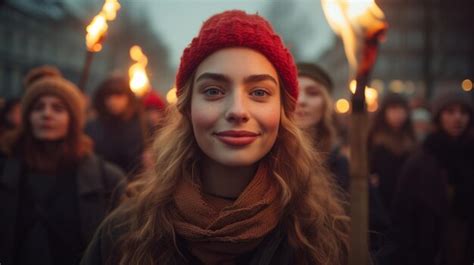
152	100
236	28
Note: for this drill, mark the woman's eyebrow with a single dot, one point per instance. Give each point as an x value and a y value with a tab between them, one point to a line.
214	76
258	78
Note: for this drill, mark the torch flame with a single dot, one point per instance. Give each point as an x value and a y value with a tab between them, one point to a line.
350	19
97	29
139	82
371	95
110	9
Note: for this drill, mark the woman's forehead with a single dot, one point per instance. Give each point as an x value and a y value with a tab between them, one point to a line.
236	64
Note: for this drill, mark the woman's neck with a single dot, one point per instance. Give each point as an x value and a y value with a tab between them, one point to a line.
225	181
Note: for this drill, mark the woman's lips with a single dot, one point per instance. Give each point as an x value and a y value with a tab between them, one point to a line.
237	138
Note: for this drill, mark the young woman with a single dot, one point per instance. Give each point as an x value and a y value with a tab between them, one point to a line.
391	140
434	203
53	191
314	115
119	132
234	180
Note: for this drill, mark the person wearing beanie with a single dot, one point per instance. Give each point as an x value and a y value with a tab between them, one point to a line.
434	204
119	131
54	191
314	115
235	181
154	108
391	140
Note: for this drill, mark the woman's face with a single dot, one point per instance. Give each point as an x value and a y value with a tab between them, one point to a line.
396	116
116	103
310	103
49	118
235	106
454	120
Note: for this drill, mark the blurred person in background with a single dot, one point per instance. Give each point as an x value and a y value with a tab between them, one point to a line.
391	140
119	131
314	115
154	113
54	191
421	118
434	203
10	116
154	108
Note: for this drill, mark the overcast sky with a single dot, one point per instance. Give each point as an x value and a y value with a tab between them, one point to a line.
178	21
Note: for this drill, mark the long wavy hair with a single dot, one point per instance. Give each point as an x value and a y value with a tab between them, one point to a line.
325	133
313	212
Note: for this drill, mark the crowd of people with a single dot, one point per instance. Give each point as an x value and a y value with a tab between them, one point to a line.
250	166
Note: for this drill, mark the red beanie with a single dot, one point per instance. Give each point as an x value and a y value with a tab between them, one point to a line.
236	28
151	100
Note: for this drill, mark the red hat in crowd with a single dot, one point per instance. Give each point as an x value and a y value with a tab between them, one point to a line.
238	29
151	100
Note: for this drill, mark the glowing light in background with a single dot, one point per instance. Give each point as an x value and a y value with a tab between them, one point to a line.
466	85
171	96
139	82
97	29
342	105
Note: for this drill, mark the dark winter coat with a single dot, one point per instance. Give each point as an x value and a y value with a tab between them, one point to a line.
119	142
387	155
273	250
434	204
99	184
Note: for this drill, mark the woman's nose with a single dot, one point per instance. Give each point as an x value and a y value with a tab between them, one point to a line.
237	108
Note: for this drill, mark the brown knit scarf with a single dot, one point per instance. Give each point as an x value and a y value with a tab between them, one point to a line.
216	230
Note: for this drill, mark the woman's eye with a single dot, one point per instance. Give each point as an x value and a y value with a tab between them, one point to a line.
59	108
213	91
259	93
313	93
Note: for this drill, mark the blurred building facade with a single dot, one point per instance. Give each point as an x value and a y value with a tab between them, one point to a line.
429	46
37	32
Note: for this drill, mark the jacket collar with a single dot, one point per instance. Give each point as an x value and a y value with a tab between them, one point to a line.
89	175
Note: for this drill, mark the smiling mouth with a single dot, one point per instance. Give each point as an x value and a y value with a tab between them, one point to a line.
237	138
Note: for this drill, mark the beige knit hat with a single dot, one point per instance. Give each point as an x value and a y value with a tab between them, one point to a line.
60	87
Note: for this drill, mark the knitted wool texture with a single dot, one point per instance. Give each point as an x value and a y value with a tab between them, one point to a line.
60	87
236	28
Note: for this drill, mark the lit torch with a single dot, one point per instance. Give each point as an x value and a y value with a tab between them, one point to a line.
361	25
139	82
96	32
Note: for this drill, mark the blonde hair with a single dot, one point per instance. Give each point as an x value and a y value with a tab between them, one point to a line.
314	216
325	131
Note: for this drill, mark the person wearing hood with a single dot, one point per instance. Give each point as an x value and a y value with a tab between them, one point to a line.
434	202
391	140
54	191
119	131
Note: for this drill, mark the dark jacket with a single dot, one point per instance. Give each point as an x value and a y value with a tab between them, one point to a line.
99	184
119	142
386	164
435	195
273	250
